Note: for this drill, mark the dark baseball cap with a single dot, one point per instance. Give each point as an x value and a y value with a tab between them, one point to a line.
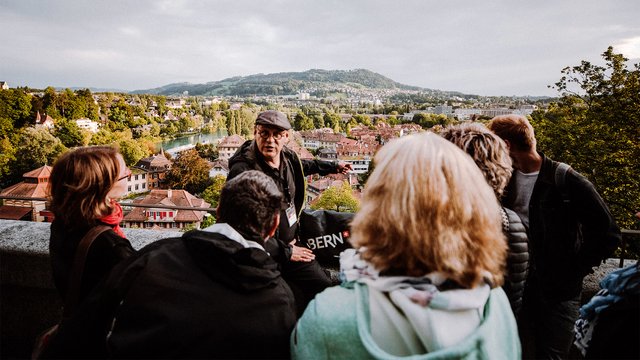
273	118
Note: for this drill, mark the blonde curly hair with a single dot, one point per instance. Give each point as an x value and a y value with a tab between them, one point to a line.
488	151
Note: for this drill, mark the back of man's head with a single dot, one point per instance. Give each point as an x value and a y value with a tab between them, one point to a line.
515	129
249	203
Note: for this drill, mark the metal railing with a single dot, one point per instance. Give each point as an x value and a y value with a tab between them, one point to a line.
155	206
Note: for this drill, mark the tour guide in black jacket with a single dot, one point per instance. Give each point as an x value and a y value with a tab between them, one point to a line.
267	153
214	293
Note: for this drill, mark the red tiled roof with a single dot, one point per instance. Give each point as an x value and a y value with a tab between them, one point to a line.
177	198
40	173
9	212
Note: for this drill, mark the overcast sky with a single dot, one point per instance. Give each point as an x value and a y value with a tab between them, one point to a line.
506	47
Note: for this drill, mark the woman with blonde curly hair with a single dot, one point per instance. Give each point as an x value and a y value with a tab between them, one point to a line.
491	155
424	277
83	187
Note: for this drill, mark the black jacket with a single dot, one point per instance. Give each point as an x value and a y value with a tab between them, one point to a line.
107	250
517	260
247	157
568	235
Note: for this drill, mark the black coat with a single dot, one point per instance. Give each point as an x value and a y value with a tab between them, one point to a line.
106	251
203	296
568	235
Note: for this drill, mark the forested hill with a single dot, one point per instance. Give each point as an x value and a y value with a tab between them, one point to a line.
313	81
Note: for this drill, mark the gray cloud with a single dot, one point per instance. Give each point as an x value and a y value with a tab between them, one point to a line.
490	48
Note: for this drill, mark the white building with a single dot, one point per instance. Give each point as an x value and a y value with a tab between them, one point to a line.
228	146
87	124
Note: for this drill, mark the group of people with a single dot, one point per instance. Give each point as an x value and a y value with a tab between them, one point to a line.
468	244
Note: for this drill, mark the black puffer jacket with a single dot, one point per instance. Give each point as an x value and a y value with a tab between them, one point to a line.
517	259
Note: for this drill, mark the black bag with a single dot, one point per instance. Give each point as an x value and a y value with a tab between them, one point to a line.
326	233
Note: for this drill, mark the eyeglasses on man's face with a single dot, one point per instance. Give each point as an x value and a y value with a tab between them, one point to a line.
266	134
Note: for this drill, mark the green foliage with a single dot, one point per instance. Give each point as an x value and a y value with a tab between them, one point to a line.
189	172
69	133
207	151
132	151
595	127
15	110
212	193
427	121
208	220
302	122
37	148
7	156
337	199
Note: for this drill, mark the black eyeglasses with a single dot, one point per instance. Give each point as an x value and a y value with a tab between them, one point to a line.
265	134
124	177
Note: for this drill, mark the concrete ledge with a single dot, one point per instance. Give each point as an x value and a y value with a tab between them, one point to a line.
29	302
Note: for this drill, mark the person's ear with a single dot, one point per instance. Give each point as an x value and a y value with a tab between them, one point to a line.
274	226
508	143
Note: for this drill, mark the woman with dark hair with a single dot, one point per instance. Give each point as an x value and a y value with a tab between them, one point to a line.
83	189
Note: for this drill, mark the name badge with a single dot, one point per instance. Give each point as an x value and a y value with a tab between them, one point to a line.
292	218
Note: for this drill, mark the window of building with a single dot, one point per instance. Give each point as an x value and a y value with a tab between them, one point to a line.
136	177
144	176
137	186
144	186
128	188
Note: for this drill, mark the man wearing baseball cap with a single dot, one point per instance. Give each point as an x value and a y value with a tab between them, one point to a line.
267	153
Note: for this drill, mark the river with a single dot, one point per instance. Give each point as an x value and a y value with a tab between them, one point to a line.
210	138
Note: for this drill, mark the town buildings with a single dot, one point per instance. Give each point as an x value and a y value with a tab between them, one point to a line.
155	167
34	186
155	216
228	145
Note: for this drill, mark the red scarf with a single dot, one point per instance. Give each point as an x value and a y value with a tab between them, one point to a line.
115	218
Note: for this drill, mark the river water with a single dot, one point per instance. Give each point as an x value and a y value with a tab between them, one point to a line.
210	138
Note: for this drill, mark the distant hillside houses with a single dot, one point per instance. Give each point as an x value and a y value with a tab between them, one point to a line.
316	139
88	124
43	121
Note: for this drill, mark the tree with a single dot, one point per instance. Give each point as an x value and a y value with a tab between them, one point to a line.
7	156
132	151
189	172
37	148
69	133
15	109
338	199
595	127
212	193
207	151
302	122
